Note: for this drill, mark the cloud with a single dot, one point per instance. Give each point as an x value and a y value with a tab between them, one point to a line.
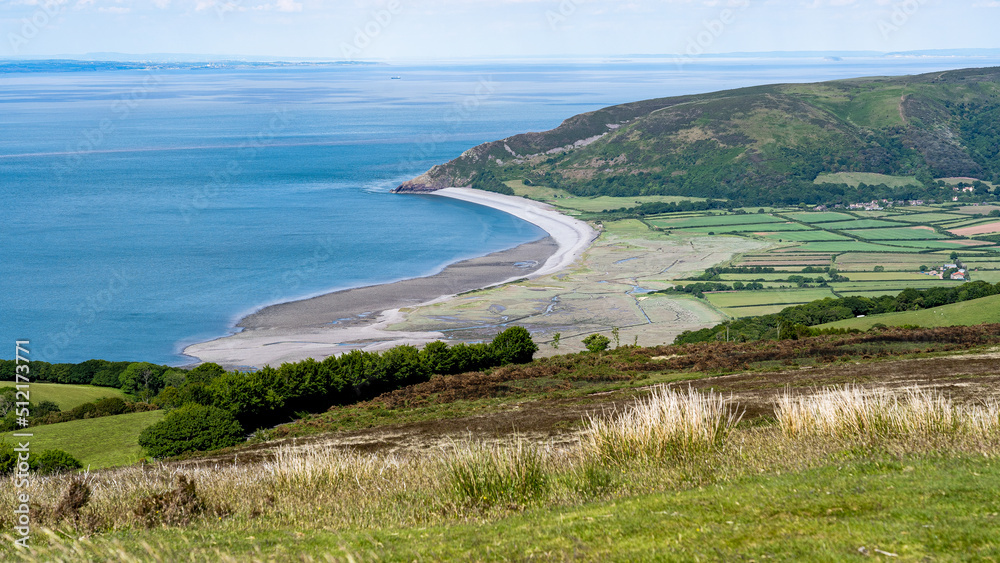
288	6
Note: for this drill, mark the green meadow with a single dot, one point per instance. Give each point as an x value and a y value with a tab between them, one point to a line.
97	442
67	396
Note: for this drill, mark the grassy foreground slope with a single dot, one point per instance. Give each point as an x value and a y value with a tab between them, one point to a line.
910	510
728	144
67	396
97	442
966	313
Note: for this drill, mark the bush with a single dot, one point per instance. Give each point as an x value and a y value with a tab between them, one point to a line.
55	461
109	406
191	428
437	357
8	458
596	342
44	408
513	346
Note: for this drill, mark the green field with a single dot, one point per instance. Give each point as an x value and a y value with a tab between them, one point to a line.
977	311
753	228
601	203
715	221
897	233
989	276
595	204
731	299
753	311
67	396
939	244
805	236
863	262
97	442
891	286
819	216
854	179
925	217
855	224
846	246
886	276
765	277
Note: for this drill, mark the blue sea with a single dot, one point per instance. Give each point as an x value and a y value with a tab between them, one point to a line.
147	209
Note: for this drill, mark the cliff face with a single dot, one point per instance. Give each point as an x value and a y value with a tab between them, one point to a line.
429	181
736	143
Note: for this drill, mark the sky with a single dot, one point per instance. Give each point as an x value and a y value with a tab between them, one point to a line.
449	29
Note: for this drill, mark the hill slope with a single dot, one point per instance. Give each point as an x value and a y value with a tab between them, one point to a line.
758	145
966	313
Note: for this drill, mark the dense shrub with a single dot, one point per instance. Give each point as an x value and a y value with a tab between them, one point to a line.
596	342
107	406
49	461
513	346
55	461
8	458
191	428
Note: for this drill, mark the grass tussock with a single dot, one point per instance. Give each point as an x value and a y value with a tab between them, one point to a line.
667	426
488	476
879	414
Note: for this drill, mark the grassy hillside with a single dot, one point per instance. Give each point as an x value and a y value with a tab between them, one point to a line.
729	144
96	442
67	396
967	313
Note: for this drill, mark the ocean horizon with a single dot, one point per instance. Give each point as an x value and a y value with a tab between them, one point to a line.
151	209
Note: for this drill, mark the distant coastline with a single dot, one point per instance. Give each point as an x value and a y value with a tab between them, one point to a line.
357	318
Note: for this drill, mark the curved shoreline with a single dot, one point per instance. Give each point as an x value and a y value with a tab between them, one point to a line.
357	318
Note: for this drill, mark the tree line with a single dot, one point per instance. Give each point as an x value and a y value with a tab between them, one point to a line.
212	398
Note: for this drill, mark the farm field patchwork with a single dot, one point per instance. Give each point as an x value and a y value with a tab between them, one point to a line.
902	243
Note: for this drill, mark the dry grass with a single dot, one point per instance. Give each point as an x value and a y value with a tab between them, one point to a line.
668	425
879	414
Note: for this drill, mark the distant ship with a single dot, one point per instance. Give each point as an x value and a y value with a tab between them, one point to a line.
395	77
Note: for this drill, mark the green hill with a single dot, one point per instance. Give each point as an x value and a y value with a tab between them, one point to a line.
97	442
966	313
67	396
731	144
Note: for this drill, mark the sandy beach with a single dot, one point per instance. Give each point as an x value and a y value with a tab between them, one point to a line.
358	318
